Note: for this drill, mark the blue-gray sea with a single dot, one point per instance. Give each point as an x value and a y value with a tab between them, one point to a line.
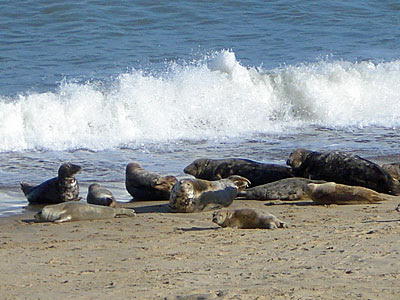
102	83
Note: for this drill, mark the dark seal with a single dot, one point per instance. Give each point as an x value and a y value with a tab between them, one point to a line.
59	189
143	185
284	189
258	173
342	168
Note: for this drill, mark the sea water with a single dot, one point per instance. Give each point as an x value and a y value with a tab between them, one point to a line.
102	83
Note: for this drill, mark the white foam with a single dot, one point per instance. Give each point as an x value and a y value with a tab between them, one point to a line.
215	99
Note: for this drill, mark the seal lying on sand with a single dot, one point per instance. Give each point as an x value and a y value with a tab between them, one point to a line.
195	195
247	218
257	173
144	185
342	168
77	211
393	169
100	196
284	189
334	193
60	189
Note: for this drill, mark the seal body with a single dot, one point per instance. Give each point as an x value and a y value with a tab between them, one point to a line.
195	195
334	193
342	168
247	218
145	185
258	173
284	189
100	196
60	189
77	211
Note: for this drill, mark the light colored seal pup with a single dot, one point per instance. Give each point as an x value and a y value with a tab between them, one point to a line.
258	173
59	189
284	189
334	193
77	211
342	168
247	218
100	196
145	185
195	195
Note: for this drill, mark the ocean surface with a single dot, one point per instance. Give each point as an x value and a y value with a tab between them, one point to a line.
103	83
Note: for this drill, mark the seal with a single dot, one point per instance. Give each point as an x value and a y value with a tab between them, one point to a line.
258	173
78	211
342	168
284	189
145	185
100	196
59	189
393	169
334	193
195	195
247	218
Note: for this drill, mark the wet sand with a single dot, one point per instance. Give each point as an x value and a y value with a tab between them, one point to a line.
328	252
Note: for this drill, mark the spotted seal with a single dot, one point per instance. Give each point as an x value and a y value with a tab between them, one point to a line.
100	196
195	195
284	189
247	218
143	185
335	193
59	189
342	168
258	173
78	211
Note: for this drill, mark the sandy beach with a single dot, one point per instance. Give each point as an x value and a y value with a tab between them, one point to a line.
328	252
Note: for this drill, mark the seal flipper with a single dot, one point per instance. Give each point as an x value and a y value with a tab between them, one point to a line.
63	218
129	212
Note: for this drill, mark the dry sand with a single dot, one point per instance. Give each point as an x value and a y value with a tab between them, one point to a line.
328	252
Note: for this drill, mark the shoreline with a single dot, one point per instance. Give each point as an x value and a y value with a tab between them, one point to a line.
328	252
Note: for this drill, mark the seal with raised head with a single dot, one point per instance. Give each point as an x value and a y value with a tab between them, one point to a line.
342	168
59	189
145	185
284	189
78	211
195	195
258	173
247	218
100	196
335	193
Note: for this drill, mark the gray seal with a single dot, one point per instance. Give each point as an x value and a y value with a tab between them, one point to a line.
59	189
393	169
100	196
143	185
78	211
342	168
195	195
284	189
247	218
258	173
334	193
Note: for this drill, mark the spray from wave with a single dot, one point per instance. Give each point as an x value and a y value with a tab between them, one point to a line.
213	99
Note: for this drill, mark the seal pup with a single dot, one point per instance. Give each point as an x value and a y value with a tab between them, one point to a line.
145	185
342	168
284	189
77	211
334	193
247	218
258	173
195	195
100	196
59	189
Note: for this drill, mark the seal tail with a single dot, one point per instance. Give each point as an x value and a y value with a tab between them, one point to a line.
26	188
129	212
